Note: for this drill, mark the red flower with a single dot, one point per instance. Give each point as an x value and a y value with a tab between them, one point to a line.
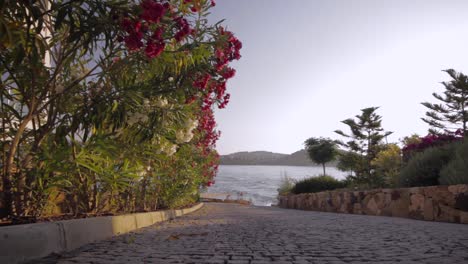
154	49
152	11
228	73
127	25
184	28
158	34
213	3
225	101
133	41
202	82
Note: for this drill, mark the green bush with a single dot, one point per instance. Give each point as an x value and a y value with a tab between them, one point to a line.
456	172
317	184
424	168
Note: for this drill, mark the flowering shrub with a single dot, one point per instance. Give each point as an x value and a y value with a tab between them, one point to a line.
431	140
131	129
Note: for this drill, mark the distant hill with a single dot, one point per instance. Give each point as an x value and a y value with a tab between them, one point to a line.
298	158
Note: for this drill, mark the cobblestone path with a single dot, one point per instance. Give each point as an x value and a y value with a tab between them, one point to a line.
231	233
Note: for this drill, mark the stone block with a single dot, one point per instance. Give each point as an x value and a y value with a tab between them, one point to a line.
357	208
442	195
461	201
428	212
457	189
463	217
448	214
416	206
371	207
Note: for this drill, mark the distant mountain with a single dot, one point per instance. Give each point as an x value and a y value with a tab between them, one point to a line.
298	158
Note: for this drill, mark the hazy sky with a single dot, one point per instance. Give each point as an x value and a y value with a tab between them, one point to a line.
309	64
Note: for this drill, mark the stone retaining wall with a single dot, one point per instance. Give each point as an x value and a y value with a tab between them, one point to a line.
433	203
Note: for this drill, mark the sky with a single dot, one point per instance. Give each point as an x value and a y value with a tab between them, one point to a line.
309	64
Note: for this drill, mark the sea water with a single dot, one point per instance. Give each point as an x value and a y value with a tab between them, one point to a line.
260	184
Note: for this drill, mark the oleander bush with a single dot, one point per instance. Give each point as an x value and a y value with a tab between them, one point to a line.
107	106
317	184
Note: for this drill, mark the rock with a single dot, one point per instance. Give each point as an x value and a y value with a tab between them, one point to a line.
428	209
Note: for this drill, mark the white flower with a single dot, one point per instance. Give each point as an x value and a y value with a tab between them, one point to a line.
183	136
170	149
171	79
180	135
161	102
191	124
188	136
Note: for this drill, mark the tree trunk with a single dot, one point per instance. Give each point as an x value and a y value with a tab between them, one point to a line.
8	169
323	165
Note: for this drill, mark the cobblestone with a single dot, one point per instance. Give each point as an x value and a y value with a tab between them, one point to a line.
231	233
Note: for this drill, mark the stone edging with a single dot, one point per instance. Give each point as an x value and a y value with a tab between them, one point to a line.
21	243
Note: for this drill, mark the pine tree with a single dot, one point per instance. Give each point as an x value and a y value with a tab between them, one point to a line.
365	141
451	115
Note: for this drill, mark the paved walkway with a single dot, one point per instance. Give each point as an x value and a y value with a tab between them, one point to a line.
235	234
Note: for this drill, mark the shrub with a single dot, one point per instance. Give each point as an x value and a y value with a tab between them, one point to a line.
424	168
387	165
317	184
413	146
286	185
456	172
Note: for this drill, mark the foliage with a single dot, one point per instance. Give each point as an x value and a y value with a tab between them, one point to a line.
452	113
456	171
429	141
364	142
350	161
286	185
388	164
413	139
424	168
108	105
317	184
321	150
